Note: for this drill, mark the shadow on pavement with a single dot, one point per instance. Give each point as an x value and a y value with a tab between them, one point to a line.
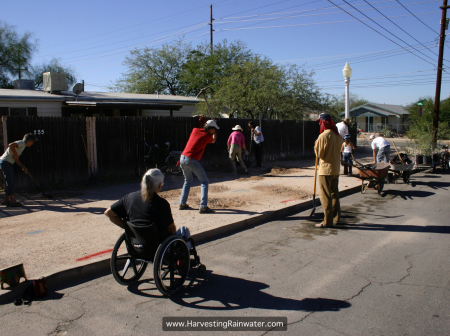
220	292
434	185
397	228
406	195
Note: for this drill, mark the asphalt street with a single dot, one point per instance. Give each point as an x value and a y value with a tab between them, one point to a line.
383	271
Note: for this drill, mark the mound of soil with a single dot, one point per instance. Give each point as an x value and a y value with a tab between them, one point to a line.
282	170
235	202
287	192
250	178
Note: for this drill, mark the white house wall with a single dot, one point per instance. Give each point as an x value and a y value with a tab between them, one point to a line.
185	111
44	109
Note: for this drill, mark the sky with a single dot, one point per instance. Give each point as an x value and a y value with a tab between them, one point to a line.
391	45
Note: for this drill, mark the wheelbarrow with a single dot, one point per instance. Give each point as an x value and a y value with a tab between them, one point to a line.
374	174
401	171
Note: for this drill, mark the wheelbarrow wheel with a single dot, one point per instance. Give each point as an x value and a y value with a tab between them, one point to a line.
406	176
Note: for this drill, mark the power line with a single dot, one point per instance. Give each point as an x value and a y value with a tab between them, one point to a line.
329	22
400	27
417	18
315	9
379	32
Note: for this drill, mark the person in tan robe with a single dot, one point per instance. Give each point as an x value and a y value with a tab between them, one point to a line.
328	149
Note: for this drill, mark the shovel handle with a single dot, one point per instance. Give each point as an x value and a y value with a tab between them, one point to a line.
398	153
315	175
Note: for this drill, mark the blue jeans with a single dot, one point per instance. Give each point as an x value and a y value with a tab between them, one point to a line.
10	178
347	157
383	153
190	166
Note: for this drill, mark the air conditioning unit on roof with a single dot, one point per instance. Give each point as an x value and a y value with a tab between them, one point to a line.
54	81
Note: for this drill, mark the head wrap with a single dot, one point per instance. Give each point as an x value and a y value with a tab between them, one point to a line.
327	123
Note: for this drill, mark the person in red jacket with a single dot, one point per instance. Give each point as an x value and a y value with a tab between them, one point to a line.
190	163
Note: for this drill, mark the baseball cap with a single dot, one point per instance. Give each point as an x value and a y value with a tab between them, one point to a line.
324	116
347	136
372	137
212	123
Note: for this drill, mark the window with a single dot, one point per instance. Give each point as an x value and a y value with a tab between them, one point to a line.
18	111
384	120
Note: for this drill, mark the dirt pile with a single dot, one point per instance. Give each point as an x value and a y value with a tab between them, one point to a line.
228	202
282	170
286	192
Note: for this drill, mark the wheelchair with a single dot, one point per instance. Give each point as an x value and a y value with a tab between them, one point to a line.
172	257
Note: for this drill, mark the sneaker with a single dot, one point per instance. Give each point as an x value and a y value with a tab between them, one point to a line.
204	210
183	206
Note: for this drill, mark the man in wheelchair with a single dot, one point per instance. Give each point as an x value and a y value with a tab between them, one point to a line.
150	236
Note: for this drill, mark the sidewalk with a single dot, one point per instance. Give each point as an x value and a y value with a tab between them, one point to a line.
70	230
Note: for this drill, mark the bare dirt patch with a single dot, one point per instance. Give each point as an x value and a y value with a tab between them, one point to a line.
286	192
177	192
218	188
250	178
235	202
282	170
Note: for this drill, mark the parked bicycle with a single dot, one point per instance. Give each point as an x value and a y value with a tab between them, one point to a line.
160	157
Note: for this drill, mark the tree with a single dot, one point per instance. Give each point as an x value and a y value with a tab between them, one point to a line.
152	70
421	126
15	54
203	69
251	89
336	104
300	94
52	66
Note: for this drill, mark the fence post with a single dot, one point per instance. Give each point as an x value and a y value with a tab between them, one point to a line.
92	145
5	133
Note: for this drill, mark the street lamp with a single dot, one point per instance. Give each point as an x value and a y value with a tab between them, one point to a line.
347	71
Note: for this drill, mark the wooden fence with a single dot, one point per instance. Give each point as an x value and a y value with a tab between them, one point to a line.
115	144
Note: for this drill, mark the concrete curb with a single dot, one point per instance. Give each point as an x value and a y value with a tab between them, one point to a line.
92	269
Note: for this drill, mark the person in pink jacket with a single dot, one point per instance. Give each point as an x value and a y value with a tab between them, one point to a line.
236	143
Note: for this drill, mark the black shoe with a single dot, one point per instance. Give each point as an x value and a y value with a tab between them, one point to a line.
204	210
183	206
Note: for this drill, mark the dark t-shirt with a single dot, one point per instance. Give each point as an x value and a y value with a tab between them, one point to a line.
197	143
132	208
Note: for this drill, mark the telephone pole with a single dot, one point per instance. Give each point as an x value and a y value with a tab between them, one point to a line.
211	29
437	97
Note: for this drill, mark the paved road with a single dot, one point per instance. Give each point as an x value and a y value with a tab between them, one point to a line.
385	272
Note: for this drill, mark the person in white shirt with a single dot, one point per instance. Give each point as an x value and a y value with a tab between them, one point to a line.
379	143
258	140
7	160
346	150
343	127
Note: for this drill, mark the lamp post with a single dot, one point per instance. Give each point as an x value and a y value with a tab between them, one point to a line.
347	71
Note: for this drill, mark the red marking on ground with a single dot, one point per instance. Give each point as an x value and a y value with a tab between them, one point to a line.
287	201
94	255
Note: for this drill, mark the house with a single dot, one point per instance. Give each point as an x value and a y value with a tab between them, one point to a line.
372	117
93	104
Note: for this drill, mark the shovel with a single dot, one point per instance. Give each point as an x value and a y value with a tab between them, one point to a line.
314	194
39	187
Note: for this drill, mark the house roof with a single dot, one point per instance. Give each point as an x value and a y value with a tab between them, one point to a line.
110	97
377	110
10	94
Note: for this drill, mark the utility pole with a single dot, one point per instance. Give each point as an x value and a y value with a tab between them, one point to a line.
211	29
437	97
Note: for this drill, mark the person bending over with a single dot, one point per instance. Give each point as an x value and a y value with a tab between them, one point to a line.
190	164
7	160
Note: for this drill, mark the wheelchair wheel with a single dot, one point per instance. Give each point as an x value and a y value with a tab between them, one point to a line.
124	268
171	265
